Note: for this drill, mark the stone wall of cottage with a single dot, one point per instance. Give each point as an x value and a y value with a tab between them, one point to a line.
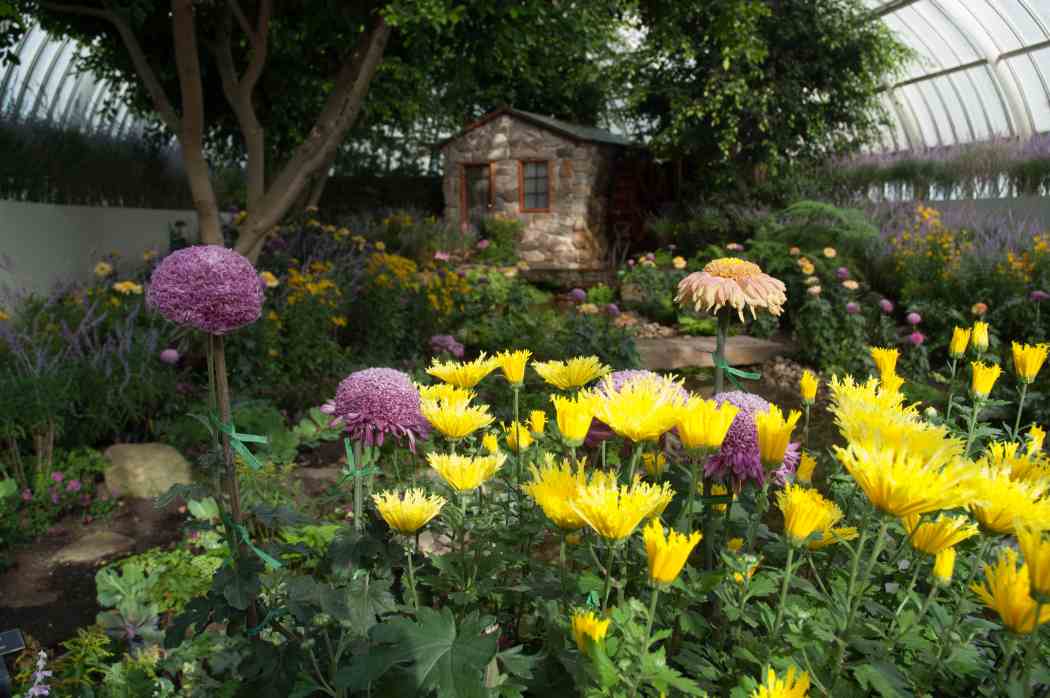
571	235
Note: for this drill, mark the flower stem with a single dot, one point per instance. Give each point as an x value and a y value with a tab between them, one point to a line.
904	601
561	559
720	350
359	496
608	576
975	410
412	577
784	589
1020	409
982	552
634	461
1032	654
652	616
951	391
517	436
805	425
463	540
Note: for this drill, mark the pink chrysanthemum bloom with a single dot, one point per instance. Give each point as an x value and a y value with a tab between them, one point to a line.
739	461
735	283
206	287
379	402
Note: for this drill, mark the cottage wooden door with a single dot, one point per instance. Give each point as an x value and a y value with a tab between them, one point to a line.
477	192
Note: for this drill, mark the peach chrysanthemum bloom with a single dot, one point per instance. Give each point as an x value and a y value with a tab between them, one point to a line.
732	282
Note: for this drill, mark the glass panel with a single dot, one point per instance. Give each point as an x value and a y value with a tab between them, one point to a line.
993	100
921	62
957	113
974	105
987	17
34	81
948	44
1038	9
1022	21
937	102
1034	90
927	126
534	176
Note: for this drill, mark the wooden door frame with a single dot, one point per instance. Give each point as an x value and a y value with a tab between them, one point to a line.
463	197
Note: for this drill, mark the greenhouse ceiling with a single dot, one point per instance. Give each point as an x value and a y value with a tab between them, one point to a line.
981	71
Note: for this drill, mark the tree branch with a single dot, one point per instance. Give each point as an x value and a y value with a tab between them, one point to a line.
138	58
241	18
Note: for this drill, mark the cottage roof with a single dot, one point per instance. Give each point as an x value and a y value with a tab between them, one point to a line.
573	131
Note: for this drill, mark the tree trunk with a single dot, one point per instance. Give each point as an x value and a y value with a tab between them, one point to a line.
191	133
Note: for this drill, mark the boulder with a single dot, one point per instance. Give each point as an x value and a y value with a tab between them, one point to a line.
93	548
145	470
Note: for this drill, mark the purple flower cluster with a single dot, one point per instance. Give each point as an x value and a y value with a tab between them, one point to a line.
170	356
913	318
852	307
206	287
379	402
886	305
739	461
446	342
577	295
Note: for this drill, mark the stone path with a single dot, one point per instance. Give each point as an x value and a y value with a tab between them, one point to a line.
670	353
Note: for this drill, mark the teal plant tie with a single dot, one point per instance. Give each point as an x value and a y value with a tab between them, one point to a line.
732	372
238	441
270	561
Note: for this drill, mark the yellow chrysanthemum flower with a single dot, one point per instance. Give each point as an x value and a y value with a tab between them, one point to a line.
944	566
269	279
1036	436
900	483
103	269
788	687
979	338
655	464
832	536
463	374
667	554
959	342
465	473
734	545
642	409
885	360
512	363
1007	591
127	288
1028	359
1036	550
573	415
774	434
703	424
537	422
806	465
1001	503
1004	455
945	532
806	512
571	374
409	512
984	377
490	442
615	511
807	386
444	391
719	490
554	487
455	418
891	383
733	283
517	435
587	627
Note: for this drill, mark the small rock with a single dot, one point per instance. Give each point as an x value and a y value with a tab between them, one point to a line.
94	547
429	544
145	470
317	480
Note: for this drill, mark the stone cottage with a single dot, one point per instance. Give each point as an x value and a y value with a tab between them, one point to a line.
554	176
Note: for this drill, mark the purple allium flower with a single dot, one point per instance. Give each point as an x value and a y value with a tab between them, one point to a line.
651	256
916	338
739	459
206	287
446	342
842	273
442	256
577	295
886	305
630	262
85	500
27	495
852	308
170	356
612	310
54	497
73	486
58	476
377	402
914	318
483	244
1038	296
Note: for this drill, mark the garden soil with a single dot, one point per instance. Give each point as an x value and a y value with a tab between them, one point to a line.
49	600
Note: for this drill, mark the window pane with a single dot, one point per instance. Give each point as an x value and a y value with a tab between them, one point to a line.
535	184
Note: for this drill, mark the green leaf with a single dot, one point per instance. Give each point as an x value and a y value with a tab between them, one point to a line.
881	677
442	657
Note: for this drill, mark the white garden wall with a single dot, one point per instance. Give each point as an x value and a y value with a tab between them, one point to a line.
48	244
